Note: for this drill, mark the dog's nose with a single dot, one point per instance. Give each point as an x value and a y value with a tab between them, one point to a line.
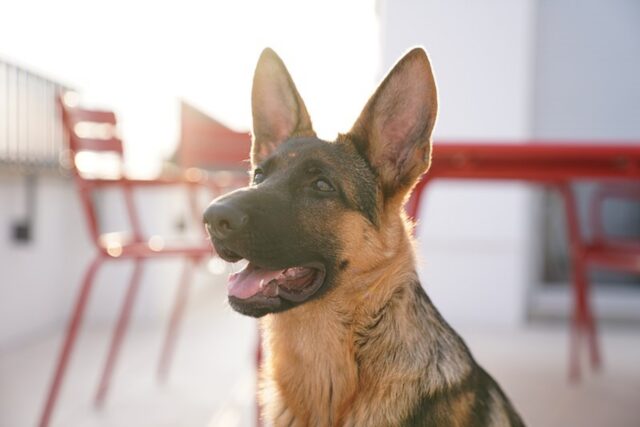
222	220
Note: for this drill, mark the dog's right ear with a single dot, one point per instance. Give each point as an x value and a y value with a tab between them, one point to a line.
394	130
278	110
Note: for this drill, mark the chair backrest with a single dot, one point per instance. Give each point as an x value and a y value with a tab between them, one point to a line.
89	131
94	132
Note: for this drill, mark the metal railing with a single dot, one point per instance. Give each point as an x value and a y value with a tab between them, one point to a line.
31	134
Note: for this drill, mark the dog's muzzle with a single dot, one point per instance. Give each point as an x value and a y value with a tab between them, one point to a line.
265	284
223	220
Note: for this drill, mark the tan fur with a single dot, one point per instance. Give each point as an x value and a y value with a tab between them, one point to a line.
320	374
460	410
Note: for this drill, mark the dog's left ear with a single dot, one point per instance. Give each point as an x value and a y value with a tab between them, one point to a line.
394	129
278	110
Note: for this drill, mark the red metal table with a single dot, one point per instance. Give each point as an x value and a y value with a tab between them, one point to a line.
555	164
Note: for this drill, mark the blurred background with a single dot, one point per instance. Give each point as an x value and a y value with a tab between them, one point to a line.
493	256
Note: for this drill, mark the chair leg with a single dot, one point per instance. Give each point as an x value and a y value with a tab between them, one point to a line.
594	347
578	322
175	320
574	350
584	317
69	341
118	333
583	321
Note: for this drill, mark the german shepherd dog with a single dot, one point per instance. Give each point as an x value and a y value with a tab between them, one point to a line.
350	337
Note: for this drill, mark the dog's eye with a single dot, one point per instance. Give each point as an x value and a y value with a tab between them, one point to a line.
258	176
322	185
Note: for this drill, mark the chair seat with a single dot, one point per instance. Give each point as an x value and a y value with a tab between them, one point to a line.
618	255
124	245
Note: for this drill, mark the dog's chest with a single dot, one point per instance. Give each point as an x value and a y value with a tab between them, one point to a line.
327	388
309	375
326	404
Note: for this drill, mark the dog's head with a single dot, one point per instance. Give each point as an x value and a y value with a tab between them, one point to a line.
317	210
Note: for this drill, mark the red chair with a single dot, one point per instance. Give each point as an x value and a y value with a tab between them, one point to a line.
602	252
95	131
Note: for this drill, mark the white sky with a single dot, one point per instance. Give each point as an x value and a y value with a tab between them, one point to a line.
139	57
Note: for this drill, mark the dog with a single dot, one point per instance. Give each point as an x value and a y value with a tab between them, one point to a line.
350	338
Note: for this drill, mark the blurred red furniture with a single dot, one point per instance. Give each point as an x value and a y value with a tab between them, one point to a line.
556	164
208	144
606	250
95	131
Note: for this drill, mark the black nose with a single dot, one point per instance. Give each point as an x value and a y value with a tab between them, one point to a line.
223	220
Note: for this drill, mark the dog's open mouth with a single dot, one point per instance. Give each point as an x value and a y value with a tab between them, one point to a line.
294	284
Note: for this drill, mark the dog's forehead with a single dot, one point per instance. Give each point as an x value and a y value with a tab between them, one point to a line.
297	150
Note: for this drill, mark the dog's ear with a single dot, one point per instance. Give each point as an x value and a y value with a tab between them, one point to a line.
394	130
278	110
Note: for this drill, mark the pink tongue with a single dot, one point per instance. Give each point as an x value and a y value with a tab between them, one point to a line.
246	283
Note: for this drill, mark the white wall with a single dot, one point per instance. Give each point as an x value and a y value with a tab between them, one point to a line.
587	83
39	279
37	275
475	239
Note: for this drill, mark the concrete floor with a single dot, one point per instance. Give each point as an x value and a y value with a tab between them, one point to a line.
212	380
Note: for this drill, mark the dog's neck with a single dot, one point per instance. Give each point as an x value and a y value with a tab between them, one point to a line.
314	351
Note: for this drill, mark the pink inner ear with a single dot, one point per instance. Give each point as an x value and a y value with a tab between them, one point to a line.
281	122
396	129
403	120
277	108
406	103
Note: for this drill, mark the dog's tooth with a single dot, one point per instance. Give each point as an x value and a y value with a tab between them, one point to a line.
261	283
271	289
291	272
